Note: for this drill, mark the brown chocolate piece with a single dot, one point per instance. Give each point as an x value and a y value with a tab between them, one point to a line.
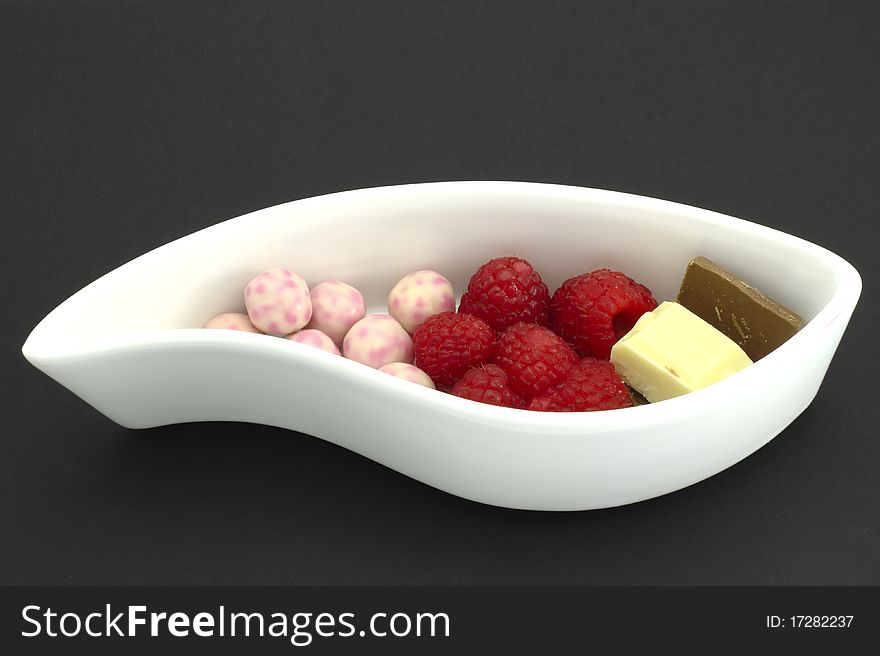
757	323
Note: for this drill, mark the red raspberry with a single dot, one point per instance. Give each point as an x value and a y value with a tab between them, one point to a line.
594	310
505	291
487	384
534	358
448	344
592	385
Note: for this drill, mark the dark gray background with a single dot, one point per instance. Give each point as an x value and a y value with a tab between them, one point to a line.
124	125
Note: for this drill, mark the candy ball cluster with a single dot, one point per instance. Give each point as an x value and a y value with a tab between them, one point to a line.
332	317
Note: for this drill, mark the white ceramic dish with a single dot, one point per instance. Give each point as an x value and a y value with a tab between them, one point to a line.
126	344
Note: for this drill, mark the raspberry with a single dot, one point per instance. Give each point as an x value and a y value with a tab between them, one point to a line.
448	344
594	310
487	384
592	385
505	291
534	358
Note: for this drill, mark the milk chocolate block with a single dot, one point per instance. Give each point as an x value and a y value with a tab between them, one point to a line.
671	351
755	322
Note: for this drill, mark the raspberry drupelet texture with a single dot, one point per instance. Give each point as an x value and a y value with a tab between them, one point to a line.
592	311
534	358
448	344
592	385
505	291
487	384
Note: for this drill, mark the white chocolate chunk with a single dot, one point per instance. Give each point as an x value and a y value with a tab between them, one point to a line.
671	351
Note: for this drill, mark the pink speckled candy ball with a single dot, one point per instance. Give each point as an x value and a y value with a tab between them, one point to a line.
314	338
278	301
419	295
232	321
377	340
408	372
336	307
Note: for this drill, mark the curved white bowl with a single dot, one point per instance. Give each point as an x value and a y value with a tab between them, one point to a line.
125	343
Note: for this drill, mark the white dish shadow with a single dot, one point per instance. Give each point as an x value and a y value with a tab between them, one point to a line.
127	343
